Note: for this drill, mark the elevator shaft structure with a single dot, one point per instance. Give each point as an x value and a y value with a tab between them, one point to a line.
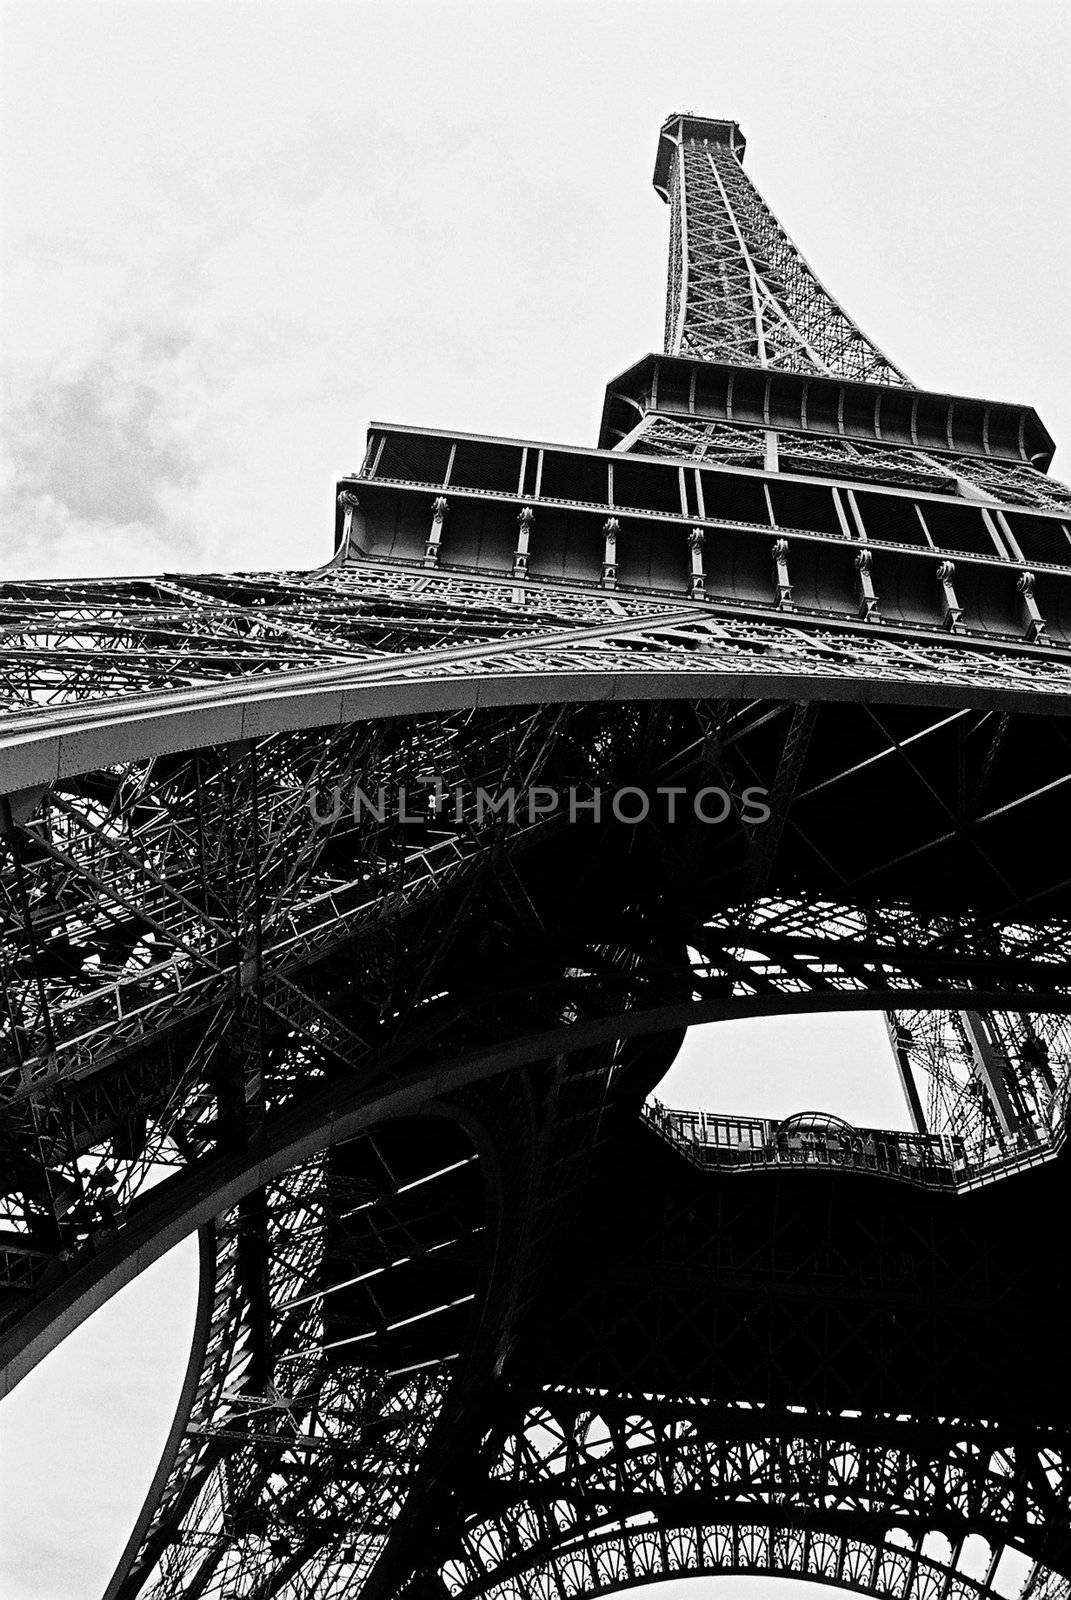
352	917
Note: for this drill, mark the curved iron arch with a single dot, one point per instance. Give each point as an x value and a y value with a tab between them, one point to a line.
83	737
182	1482
190	1199
590	1493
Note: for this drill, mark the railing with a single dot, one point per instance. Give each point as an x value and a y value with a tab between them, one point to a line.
930	1160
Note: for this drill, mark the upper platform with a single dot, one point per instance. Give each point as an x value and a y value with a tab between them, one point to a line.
680	125
911	419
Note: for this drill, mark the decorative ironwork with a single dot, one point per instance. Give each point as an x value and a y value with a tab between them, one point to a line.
595	1496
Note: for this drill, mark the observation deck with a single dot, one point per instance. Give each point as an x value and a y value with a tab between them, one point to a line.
813	1139
911	554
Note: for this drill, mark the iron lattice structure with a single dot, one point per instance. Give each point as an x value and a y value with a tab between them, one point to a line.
477	1317
739	290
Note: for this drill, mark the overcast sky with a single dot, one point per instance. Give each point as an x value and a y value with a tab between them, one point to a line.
234	233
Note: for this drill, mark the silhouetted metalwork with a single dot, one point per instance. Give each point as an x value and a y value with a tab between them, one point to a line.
352	916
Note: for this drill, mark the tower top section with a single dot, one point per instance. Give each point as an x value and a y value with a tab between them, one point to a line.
739	291
684	124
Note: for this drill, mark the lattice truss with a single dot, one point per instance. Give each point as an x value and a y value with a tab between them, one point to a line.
1007	480
190	955
739	290
90	640
294	1488
297	1455
595	1494
816	454
159	916
126	641
1033	1059
179	889
190	892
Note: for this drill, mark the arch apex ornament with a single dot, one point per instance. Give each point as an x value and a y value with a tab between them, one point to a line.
352	916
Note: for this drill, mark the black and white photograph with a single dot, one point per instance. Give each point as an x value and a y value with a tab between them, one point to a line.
535	783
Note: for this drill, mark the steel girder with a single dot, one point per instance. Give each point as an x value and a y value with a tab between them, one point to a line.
1006	482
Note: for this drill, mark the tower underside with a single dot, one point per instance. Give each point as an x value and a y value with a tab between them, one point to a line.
324	937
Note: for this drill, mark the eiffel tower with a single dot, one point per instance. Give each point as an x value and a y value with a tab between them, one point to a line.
352	916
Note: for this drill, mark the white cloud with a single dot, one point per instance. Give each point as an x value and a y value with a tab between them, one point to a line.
96	453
